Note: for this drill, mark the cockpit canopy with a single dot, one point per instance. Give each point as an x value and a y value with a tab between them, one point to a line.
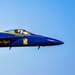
20	31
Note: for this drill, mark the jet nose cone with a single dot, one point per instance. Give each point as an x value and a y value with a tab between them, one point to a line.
59	42
55	41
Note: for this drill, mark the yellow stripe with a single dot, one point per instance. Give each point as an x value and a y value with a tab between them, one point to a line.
15	34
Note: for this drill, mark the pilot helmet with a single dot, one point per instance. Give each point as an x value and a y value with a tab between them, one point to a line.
17	31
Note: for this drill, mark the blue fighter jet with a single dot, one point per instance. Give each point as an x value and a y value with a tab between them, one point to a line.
24	38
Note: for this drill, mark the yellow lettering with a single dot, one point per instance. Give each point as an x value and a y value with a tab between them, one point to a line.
5	42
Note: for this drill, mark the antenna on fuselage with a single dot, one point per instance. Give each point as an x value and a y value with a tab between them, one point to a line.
38	47
9	48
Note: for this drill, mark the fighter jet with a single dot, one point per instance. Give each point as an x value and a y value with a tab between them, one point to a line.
24	38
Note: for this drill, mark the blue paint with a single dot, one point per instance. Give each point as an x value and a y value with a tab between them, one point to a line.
17	39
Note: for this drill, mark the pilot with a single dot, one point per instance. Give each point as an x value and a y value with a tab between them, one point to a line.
25	32
17	31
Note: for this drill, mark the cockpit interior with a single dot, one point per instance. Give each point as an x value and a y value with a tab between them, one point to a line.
20	31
